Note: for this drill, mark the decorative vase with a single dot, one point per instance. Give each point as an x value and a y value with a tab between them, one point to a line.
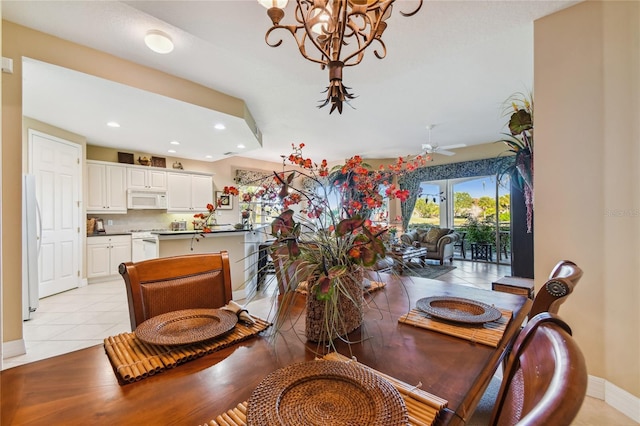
341	314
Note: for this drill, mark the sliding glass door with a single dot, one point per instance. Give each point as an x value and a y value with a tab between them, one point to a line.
478	208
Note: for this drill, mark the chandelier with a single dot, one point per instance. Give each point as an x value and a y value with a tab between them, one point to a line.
334	34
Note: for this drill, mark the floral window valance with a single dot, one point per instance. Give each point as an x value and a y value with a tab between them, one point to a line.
411	181
257	177
251	177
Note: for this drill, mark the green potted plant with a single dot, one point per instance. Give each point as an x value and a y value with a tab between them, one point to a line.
520	143
479	232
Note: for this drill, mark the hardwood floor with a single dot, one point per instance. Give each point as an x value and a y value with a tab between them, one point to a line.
83	317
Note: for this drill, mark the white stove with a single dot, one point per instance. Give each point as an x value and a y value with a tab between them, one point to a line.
144	244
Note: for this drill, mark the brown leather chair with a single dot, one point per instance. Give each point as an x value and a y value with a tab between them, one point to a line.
563	278
167	284
545	380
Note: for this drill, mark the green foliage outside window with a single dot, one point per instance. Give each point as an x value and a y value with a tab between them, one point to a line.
480	231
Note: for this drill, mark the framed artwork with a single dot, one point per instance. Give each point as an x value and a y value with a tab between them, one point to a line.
224	201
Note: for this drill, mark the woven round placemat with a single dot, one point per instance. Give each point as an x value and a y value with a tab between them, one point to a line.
458	309
325	393
186	326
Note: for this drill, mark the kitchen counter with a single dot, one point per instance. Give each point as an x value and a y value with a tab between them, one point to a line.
187	234
108	234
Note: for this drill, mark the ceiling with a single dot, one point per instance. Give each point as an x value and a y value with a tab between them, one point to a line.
452	65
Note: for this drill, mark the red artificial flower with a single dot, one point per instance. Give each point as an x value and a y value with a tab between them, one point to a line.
232	190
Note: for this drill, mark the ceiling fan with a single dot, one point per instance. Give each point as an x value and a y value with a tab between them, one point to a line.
434	148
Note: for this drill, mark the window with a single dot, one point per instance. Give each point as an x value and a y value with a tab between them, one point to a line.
427	210
480	202
261	211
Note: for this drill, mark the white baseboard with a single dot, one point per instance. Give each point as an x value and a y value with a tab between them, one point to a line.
239	294
623	401
595	387
617	398
13	348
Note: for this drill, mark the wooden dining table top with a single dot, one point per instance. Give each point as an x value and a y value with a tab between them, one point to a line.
81	387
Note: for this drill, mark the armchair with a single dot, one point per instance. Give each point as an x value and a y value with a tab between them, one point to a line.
439	242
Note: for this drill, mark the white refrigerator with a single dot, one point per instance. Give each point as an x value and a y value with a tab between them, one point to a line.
31	230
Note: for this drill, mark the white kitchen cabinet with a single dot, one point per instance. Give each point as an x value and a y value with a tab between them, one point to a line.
146	178
189	192
106	188
105	253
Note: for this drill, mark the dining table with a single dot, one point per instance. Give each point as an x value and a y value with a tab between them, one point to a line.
81	387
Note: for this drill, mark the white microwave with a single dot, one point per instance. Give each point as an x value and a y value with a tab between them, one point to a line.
141	200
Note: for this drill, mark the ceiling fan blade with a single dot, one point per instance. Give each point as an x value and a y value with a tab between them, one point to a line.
459	145
445	152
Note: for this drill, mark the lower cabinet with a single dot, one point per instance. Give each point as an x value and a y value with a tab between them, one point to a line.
105	253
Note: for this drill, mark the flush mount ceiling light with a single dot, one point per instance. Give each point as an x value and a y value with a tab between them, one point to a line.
158	41
220	126
113	124
334	34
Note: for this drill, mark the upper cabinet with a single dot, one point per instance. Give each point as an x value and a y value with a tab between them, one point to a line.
146	178
106	188
188	192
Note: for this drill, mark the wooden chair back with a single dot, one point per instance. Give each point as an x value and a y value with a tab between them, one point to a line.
167	284
545	379
562	280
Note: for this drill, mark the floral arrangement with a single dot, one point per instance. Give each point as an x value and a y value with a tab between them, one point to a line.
202	221
520	142
330	239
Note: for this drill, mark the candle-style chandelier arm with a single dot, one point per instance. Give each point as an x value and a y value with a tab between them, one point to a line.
413	12
307	15
340	31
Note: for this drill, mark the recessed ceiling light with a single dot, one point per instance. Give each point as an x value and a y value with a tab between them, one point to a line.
220	126
113	124
172	151
158	41
174	143
208	156
240	146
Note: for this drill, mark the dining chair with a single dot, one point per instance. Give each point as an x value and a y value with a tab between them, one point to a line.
545	380
562	280
167	284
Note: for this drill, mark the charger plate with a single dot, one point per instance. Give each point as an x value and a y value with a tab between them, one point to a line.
186	326
458	309
325	393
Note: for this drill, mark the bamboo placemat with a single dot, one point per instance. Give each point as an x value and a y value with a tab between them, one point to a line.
422	406
133	359
489	333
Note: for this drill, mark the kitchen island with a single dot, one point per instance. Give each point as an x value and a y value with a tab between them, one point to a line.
241	244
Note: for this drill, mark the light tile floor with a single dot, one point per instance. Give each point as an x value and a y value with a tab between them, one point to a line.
74	320
83	317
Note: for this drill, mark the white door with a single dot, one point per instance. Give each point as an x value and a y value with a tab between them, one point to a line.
56	164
